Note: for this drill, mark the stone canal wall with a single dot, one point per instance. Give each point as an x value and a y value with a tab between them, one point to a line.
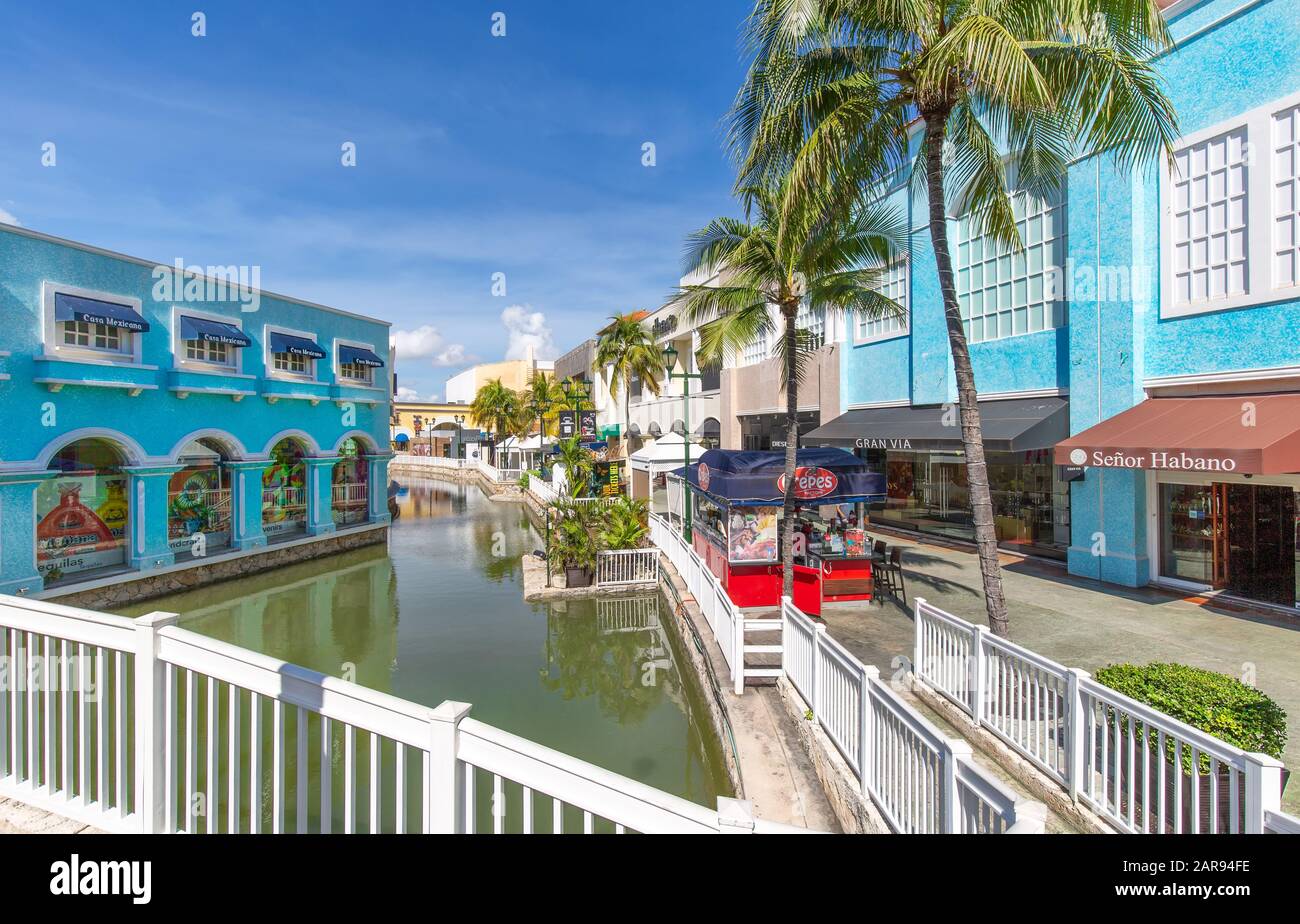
138	586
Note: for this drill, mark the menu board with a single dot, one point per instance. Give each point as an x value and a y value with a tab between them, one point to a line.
751	534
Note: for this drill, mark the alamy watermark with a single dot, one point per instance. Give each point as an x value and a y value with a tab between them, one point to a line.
241	284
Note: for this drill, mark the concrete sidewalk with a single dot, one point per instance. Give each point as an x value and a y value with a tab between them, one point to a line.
1082	623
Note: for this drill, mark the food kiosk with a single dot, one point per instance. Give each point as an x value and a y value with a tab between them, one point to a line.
736	500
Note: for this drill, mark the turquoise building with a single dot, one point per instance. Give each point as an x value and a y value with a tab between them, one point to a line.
1160	307
161	417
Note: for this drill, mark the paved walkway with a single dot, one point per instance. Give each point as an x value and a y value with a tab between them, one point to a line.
1083	623
19	818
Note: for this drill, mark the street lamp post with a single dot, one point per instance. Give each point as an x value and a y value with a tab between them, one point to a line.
460	419
670	361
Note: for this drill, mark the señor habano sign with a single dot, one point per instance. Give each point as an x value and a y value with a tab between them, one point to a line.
1179	460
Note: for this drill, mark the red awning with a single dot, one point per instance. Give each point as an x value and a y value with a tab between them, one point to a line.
1241	434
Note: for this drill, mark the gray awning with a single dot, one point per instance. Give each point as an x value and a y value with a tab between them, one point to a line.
1008	426
710	428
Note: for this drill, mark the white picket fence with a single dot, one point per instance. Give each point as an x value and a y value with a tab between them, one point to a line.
723	617
350	494
627	566
541	491
141	726
921	781
1141	770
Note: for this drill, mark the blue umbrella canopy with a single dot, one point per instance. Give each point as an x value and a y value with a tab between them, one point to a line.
822	476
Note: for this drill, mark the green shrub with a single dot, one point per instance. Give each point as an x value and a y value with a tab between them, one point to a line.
523	480
1215	703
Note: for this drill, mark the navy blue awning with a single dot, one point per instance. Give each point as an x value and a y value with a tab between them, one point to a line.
295	346
93	311
750	478
359	356
213	332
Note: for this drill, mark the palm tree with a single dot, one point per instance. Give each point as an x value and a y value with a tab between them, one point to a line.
846	95
628	351
577	462
785	258
496	407
540	401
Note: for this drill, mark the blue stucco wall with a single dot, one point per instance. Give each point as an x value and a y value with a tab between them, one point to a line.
1225	65
157	419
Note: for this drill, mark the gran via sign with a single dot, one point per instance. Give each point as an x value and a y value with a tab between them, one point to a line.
868	442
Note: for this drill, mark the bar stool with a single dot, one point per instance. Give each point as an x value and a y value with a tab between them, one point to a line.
892	573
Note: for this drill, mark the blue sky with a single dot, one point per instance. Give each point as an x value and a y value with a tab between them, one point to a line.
475	154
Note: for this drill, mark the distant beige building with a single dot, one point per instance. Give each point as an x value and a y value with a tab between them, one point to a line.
514	374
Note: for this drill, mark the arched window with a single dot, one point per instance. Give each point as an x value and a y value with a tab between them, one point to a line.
284	490
350	496
82	515
198	499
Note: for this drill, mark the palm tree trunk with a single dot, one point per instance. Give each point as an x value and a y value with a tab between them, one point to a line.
972	438
791	446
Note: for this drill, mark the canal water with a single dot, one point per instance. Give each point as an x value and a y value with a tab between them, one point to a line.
439	614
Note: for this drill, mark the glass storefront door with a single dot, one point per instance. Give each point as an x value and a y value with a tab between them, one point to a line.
1235	536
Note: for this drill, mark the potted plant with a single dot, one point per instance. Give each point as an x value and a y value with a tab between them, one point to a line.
625	524
574	544
1215	703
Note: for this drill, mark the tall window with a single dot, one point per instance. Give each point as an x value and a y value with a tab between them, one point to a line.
755	351
1286	197
205	351
95	336
1209	220
1004	294
289	362
893	284
814	322
1231	220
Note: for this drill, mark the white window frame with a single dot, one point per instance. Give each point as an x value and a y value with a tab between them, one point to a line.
748	353
55	348
810	315
903	322
181	361
339	378
1261	214
1055	312
268	357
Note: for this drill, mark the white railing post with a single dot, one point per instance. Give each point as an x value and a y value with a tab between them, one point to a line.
1263	790
444	789
954	750
866	754
1075	732
150	724
1031	818
735	816
917	644
976	673
819	629
737	640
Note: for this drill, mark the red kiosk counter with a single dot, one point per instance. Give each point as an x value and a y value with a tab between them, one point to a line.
736	500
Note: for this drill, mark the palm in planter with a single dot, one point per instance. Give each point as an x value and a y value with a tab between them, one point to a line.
577	463
624	524
574	543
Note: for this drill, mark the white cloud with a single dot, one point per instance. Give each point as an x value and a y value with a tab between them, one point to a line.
417	344
410	394
7	218
526	328
454	355
427	342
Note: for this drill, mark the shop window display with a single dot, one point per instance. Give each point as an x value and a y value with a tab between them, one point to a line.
284	490
82	514
350	493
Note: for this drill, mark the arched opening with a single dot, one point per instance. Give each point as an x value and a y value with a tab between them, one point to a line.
350	489
198	499
83	515
284	490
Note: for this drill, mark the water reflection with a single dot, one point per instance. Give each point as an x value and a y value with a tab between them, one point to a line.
597	680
